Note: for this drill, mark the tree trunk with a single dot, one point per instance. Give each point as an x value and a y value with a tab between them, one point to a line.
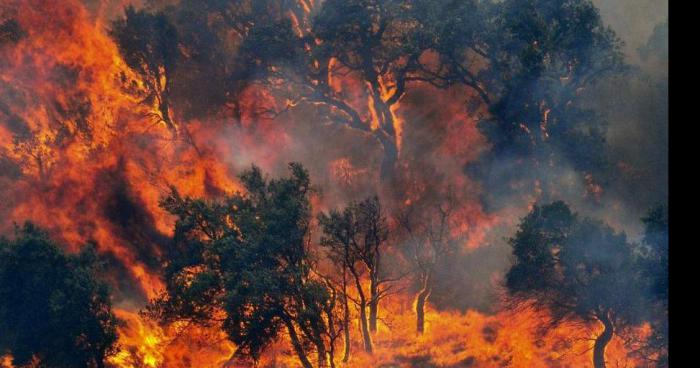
389	158
164	107
374	302
366	337
601	342
332	359
421	299
373	316
298	348
322	356
346	324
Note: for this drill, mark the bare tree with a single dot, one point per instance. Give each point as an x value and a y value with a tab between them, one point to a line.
356	239
431	236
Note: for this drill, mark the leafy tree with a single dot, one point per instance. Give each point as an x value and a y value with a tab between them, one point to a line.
339	252
214	70
54	312
656	242
654	266
356	239
200	81
542	56
377	44
527	62
578	269
149	45
244	261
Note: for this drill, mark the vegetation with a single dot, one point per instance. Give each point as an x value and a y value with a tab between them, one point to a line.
578	269
246	259
54	311
260	264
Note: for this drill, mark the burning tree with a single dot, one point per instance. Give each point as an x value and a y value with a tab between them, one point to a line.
380	49
431	237
356	239
578	269
149	45
245	261
526	63
54	311
541	63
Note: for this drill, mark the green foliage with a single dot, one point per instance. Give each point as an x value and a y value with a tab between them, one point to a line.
53	309
527	62
200	80
246	258
10	32
656	241
577	268
542	55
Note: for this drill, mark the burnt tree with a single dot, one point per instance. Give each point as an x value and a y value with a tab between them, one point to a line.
430	236
356	238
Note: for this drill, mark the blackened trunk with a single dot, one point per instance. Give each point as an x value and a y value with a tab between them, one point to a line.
373	303
421	299
364	326
332	358
322	356
346	325
367	339
296	344
164	107
601	342
373	316
389	158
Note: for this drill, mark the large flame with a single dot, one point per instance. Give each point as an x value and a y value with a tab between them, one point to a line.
92	167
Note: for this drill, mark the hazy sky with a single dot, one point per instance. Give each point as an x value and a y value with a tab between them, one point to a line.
633	20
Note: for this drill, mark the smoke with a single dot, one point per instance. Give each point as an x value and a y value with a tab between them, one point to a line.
636	108
109	165
634	21
635	177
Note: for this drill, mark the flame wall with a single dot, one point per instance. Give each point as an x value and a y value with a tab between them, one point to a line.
81	158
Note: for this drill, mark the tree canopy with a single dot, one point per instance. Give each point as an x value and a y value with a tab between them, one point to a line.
245	261
578	269
527	63
54	311
149	45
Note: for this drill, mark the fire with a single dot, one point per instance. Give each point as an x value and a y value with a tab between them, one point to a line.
143	340
145	344
88	153
93	168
